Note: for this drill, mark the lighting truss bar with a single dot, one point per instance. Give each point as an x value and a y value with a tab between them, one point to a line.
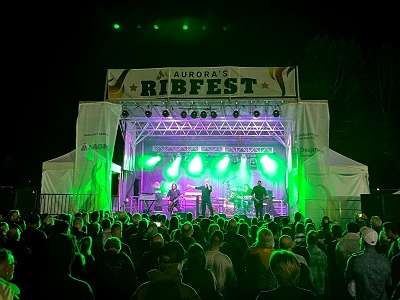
212	149
266	129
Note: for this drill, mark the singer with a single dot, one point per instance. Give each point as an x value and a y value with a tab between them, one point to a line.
206	190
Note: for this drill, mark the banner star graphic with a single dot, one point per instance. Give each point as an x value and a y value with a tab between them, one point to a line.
264	85
133	87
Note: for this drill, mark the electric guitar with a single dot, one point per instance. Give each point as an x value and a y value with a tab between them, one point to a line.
258	201
171	203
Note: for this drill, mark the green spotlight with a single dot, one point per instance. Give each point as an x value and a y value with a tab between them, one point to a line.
223	164
172	172
149	162
116	26
156	27
195	165
269	164
185	27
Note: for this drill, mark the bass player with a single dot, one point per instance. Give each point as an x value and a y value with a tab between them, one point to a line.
174	196
259	193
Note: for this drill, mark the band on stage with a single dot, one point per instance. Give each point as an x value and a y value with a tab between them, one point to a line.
246	200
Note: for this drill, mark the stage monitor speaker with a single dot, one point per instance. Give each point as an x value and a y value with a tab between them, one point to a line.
387	207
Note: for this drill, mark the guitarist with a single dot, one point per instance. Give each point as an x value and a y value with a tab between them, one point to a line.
173	198
259	193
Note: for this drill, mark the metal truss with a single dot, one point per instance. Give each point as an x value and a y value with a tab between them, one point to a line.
212	149
264	130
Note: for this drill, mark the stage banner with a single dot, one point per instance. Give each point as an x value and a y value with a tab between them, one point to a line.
202	82
312	129
96	132
311	135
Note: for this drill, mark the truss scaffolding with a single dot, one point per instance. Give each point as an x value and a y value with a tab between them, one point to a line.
212	149
261	130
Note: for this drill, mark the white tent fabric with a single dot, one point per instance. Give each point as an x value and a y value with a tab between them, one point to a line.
58	174
332	186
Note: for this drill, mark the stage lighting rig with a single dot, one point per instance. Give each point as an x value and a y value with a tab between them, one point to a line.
165	113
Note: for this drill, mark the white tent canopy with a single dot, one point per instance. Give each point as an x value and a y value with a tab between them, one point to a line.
58	174
332	186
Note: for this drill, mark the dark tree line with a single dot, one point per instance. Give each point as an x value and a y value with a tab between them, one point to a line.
363	91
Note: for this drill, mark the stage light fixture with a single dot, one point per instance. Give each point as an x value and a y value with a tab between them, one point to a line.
194	114
148	113
184	114
125	113
235	114
276	113
165	113
203	114
256	113
214	114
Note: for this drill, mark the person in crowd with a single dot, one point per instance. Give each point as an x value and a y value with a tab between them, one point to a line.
286	269
166	281
395	270
4	227
259	193
198	235
376	223
174	223
326	228
116	231
113	275
139	243
22	254
274	227
13	217
187	238
333	272
32	236
98	242
8	290
47	224
349	244
150	258
54	275
206	191
297	217
256	260
305	281
384	243
300	241
318	264
174	196
369	270
238	245
222	266
245	231
196	274
76	229
392	232
85	248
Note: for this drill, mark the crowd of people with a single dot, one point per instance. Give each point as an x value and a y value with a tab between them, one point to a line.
105	255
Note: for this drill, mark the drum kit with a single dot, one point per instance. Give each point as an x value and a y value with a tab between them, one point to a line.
241	200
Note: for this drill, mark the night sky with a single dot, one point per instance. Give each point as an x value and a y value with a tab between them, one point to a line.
56	56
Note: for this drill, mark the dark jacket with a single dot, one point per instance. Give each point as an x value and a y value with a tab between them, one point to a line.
165	285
